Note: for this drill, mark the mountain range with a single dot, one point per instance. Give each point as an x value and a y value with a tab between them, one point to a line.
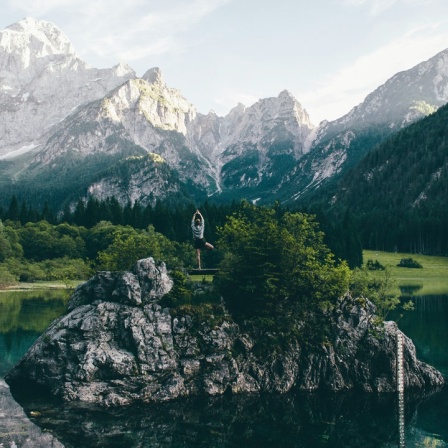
70	131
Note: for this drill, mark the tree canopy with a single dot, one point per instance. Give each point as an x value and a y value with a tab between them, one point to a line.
276	264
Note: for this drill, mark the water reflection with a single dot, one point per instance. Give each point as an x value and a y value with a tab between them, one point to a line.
16	430
23	318
400	382
292	420
427	326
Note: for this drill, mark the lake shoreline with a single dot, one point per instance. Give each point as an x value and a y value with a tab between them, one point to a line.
22	286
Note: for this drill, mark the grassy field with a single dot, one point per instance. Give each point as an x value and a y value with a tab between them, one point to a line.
201	278
431	279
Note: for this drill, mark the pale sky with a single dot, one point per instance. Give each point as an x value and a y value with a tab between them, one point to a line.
330	54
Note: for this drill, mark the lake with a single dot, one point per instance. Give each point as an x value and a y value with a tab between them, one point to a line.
291	420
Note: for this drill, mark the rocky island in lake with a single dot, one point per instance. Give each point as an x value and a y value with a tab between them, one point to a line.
117	345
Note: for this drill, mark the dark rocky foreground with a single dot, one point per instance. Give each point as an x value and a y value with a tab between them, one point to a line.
117	346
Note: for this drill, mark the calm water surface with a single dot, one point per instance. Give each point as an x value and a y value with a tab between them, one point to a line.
292	420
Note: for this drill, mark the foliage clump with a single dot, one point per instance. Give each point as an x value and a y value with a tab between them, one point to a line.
409	263
374	265
277	270
199	301
380	288
181	293
129	245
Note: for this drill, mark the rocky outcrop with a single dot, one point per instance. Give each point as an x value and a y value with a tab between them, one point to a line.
116	345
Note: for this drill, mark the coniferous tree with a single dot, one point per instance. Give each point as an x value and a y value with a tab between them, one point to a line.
47	214
13	210
352	248
79	215
277	265
23	214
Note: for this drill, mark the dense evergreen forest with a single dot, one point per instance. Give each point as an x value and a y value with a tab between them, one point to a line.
38	245
397	193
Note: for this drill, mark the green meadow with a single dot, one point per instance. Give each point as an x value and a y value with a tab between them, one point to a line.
431	279
201	278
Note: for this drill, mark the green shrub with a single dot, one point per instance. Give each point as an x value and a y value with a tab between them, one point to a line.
181	292
409	263
6	278
374	265
277	266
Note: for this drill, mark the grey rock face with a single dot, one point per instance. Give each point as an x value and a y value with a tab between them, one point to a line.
117	346
42	81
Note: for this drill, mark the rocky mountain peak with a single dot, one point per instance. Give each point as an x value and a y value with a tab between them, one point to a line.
48	101
405	97
283	115
42	81
154	76
123	70
286	95
39	37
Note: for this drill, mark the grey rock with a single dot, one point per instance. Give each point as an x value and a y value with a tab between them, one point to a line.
117	346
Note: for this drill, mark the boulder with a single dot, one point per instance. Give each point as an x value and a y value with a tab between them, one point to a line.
116	345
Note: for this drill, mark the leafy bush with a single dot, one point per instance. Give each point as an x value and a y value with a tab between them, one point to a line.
374	265
277	266
378	286
6	278
199	301
181	292
409	263
55	269
130	245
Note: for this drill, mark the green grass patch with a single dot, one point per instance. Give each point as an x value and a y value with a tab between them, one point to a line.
201	278
431	279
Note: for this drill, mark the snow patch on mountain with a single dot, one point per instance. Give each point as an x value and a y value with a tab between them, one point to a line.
11	153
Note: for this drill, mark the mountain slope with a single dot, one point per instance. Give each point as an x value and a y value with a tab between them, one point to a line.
84	125
83	121
42	81
398	191
252	147
405	98
407	171
95	138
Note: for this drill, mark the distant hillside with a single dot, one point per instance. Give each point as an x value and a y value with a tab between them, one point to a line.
398	192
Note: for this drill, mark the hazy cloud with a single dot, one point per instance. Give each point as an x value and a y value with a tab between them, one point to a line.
350	85
221	52
378	6
130	30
